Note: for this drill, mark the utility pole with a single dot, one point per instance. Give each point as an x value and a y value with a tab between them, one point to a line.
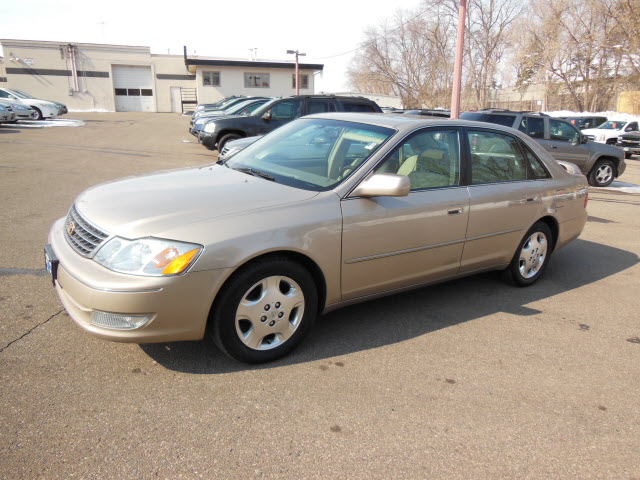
297	54
457	68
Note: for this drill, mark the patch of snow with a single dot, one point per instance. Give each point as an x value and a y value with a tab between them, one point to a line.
98	110
622	187
626	117
54	122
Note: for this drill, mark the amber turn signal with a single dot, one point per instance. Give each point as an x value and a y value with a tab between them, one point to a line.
179	264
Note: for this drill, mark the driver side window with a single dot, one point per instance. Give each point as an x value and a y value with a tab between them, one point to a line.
563	131
430	159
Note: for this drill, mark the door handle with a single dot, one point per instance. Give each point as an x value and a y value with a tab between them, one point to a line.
533	199
455	211
553	146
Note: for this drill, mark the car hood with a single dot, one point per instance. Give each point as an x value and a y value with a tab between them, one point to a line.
151	204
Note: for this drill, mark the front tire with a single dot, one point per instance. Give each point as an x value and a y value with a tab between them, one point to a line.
602	173
532	256
264	311
228	137
627	155
39	112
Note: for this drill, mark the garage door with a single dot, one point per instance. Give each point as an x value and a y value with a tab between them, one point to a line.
133	89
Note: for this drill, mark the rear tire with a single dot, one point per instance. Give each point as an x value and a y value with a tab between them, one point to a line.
602	173
264	311
532	256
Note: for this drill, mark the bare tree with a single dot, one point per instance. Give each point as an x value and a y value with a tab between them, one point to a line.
412	59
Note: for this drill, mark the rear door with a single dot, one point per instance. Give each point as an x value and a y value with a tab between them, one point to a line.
506	196
394	242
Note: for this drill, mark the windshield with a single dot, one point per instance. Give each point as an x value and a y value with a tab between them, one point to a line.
237	107
613	125
20	94
312	154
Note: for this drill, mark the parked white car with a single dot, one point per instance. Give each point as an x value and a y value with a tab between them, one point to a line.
609	131
6	115
44	108
21	112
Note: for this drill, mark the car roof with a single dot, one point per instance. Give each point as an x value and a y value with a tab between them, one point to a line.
405	123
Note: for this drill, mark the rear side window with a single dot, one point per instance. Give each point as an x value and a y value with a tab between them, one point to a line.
536	170
358	107
532	126
320	106
495	157
505	120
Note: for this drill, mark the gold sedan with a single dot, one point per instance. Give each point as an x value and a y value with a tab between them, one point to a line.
326	211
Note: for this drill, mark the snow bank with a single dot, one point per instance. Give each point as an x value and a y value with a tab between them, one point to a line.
627	117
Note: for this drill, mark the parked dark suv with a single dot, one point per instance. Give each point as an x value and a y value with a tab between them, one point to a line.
599	162
275	114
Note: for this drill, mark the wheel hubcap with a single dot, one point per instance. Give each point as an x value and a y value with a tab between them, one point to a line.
269	313
533	255
604	174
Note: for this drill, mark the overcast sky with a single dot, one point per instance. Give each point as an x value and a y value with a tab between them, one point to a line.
210	27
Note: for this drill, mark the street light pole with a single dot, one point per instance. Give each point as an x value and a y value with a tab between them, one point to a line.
297	54
457	67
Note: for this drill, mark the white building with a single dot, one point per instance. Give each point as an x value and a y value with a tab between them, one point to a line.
87	76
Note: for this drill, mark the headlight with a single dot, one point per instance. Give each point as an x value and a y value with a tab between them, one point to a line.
210	127
147	256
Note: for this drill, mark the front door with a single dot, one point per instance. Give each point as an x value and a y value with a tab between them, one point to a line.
563	143
280	113
393	242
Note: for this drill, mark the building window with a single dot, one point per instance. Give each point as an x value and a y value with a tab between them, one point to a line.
304	81
211	79
121	91
256	80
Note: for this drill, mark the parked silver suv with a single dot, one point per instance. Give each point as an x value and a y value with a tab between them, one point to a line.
599	162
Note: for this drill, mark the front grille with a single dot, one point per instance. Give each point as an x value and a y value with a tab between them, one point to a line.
224	151
626	141
84	237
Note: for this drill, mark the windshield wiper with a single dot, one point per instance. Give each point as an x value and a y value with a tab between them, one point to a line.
256	173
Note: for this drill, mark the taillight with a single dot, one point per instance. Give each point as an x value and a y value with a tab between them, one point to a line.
586	199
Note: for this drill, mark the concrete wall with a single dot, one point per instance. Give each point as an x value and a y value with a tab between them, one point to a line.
629	102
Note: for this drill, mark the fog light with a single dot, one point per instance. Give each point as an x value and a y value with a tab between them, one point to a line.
116	321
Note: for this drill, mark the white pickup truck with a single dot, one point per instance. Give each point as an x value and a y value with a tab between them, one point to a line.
609	131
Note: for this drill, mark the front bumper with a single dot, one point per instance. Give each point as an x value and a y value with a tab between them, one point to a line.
207	139
178	306
622	166
632	147
7	117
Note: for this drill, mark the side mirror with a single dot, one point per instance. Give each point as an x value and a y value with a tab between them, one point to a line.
584	139
384	185
267	115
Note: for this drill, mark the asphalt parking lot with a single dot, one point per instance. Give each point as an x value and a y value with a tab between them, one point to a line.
469	379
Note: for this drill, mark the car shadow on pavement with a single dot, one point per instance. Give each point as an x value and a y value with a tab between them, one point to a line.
411	314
